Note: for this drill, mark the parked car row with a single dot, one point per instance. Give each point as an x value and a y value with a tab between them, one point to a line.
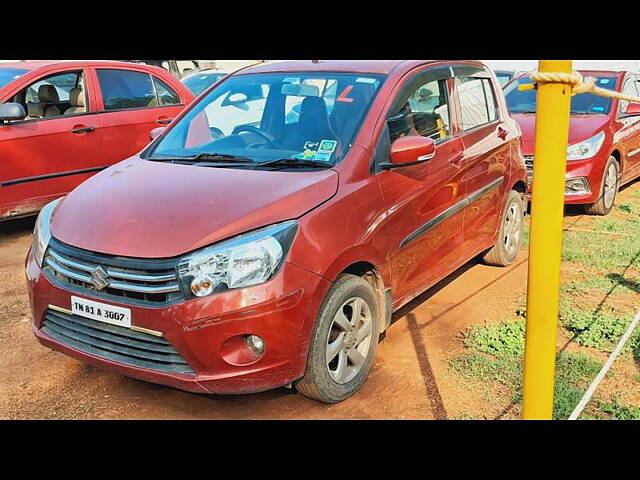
267	233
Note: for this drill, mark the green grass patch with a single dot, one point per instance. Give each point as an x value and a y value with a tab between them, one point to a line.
625	207
607	251
574	371
613	411
603	251
497	338
599	330
496	355
609	283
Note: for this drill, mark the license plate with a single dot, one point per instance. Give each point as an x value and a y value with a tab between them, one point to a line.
101	311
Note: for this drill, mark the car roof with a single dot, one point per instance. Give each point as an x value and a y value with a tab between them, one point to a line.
35	64
209	71
355	66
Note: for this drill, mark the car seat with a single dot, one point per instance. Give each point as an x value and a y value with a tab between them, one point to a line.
45	107
76	98
313	125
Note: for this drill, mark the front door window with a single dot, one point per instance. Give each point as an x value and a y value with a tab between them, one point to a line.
54	96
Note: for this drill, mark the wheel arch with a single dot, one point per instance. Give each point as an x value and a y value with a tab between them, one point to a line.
615	153
519	186
372	275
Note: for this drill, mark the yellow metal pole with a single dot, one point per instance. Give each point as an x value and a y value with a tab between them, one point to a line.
547	204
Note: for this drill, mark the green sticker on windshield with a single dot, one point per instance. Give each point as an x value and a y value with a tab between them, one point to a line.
321	150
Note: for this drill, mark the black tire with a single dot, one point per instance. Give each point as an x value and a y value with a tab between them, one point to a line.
317	382
503	253
602	206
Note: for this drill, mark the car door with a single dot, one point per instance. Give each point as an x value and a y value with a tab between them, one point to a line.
132	103
423	201
42	158
628	136
486	154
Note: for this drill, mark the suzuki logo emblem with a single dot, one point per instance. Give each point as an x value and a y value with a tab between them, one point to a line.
99	278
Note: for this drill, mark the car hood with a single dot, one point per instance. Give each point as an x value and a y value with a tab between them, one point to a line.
581	127
145	209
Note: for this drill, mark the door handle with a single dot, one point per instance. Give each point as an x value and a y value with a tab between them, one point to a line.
502	133
164	121
82	130
455	158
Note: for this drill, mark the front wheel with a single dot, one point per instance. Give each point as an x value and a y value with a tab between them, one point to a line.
344	342
610	184
506	249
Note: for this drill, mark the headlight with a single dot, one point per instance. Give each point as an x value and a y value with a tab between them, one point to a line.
587	148
41	233
243	261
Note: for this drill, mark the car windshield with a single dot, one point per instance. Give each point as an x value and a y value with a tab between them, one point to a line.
304	116
581	104
503	77
7	75
199	82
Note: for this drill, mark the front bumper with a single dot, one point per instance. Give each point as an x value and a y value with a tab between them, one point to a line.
282	312
589	169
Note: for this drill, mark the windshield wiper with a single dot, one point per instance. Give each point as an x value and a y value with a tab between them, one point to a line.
294	162
207	157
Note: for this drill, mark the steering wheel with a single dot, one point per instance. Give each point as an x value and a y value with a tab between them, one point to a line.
271	141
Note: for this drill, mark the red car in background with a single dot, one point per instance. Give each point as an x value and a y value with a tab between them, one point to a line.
61	122
247	251
604	138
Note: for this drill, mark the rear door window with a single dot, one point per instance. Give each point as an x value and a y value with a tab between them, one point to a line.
166	95
477	102
125	89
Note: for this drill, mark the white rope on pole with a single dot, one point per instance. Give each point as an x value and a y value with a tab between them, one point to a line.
596	381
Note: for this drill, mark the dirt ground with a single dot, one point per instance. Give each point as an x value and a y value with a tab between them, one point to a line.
409	379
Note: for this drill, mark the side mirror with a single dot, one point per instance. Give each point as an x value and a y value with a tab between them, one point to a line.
632	109
12	111
410	150
238	100
155	133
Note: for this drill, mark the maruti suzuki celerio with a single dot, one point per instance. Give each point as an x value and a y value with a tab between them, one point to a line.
268	245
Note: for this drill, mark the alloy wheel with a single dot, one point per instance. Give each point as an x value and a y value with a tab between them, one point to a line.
610	185
512	229
349	340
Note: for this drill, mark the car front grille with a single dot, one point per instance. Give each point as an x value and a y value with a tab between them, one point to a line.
113	342
124	279
528	161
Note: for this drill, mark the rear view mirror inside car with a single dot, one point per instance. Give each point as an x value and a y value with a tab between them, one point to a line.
300	90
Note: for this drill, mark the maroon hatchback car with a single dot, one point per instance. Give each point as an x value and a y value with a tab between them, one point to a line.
604	138
265	238
61	122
